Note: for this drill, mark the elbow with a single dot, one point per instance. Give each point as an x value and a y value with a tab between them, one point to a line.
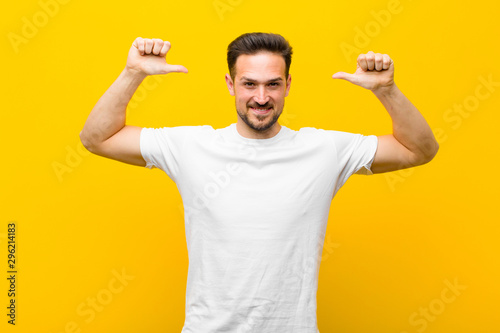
436	149
433	152
87	143
429	153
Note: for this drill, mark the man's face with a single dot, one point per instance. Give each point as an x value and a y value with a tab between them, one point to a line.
260	87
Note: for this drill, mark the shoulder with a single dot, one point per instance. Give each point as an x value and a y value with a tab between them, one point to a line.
340	140
325	134
179	131
310	132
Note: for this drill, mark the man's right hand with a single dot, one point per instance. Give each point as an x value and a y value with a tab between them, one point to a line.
147	57
105	132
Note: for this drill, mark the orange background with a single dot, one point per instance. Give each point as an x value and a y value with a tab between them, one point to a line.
395	242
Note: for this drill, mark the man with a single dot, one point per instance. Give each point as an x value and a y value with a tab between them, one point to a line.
256	194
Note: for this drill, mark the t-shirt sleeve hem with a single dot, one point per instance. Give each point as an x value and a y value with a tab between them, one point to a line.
142	145
366	168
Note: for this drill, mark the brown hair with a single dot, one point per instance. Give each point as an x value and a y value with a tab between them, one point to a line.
252	43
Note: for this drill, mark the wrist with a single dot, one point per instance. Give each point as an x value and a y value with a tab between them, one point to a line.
388	90
134	74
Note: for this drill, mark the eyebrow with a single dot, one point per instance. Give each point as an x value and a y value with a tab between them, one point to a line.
244	78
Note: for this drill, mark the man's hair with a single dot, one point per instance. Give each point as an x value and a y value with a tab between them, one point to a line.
255	42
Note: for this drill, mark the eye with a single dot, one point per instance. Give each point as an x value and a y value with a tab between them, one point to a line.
248	83
274	84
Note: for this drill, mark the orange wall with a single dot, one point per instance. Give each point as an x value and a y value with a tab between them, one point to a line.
410	251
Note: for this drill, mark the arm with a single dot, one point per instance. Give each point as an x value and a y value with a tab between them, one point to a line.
105	132
412	142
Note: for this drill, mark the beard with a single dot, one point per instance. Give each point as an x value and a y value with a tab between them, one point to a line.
260	126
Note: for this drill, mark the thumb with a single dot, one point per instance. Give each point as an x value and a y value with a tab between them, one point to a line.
345	76
176	68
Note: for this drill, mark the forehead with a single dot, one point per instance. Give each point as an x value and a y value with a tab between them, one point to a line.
260	66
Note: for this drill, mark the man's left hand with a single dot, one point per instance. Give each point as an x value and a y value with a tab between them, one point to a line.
374	71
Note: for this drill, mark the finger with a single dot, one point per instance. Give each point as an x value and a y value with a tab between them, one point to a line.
148	46
136	42
362	62
345	76
177	68
379	62
157	45
370	60
139	43
165	48
387	61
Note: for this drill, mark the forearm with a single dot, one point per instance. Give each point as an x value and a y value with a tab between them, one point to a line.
408	125
109	114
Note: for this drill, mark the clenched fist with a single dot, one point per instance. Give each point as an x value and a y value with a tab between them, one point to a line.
148	57
374	71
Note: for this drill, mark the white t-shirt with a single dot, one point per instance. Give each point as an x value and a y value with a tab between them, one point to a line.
255	213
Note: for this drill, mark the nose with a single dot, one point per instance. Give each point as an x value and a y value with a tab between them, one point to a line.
261	96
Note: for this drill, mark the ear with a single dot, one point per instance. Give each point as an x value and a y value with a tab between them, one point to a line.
288	83
230	85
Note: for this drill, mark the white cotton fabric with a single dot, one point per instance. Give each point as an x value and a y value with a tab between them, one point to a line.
255	213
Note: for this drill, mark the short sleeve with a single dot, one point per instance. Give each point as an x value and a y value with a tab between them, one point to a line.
163	148
355	154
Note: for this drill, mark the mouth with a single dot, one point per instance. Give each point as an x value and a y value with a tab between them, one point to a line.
261	110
